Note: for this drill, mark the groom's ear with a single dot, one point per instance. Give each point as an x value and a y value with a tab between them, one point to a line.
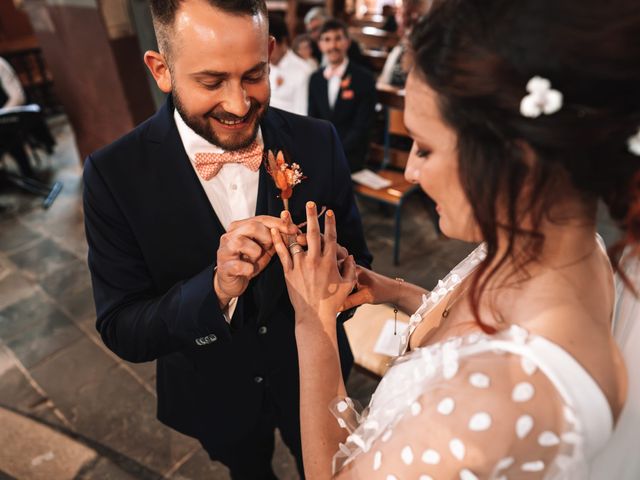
159	68
272	44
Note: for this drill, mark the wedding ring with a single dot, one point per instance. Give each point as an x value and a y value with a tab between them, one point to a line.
295	249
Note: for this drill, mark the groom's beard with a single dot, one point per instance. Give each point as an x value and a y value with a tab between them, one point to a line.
202	124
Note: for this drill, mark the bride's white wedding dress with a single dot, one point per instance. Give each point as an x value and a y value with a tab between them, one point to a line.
505	406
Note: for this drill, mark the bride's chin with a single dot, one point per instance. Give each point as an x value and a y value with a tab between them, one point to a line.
465	233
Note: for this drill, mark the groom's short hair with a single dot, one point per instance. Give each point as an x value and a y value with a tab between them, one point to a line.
163	13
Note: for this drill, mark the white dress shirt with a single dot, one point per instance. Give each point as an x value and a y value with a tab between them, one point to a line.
290	83
11	85
333	84
233	192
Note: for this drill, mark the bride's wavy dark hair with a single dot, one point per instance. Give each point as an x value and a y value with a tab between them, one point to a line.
478	56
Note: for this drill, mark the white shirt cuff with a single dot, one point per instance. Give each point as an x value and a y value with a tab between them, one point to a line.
230	308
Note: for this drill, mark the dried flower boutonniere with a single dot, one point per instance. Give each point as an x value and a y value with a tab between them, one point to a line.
285	175
347	94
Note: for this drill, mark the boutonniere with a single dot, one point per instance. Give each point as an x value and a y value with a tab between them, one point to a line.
346	81
285	175
347	94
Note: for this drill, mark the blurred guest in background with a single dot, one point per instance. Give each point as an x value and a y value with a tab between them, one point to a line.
397	65
390	23
303	47
343	93
289	74
313	21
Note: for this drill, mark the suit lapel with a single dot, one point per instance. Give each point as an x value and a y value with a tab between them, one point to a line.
182	182
180	206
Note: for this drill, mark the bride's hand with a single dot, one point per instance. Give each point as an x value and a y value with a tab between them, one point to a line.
317	286
372	288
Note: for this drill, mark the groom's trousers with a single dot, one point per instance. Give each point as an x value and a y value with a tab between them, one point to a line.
250	458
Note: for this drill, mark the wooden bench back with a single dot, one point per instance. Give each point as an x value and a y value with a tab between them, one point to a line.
374	38
392	99
367	20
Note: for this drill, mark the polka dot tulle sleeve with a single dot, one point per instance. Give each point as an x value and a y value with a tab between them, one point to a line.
471	408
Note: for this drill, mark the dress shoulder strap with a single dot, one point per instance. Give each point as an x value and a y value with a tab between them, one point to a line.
449	283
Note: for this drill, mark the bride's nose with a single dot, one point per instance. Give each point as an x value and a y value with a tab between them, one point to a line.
411	173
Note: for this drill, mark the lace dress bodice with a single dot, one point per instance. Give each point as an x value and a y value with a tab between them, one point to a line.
504	406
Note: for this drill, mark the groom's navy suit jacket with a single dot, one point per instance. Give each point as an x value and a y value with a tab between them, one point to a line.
153	237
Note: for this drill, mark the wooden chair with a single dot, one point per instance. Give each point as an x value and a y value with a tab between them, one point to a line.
37	82
18	125
395	194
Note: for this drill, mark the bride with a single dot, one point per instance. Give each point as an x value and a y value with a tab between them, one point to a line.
524	115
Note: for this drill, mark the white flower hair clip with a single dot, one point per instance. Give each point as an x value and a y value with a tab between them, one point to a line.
634	143
541	99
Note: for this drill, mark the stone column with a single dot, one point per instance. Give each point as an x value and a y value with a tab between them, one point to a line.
92	51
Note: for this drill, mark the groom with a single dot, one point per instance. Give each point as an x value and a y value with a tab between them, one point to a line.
177	216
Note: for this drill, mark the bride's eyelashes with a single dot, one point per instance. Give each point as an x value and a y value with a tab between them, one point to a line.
421	152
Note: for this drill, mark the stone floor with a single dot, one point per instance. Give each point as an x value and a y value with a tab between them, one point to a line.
54	370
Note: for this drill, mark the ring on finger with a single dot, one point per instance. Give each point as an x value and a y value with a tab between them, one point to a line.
295	249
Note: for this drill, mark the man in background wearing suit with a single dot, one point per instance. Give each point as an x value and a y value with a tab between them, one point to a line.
177	216
313	21
343	93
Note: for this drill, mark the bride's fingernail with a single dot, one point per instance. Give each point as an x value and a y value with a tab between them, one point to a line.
329	213
311	205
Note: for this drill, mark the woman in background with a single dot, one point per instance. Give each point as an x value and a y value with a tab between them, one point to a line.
302	46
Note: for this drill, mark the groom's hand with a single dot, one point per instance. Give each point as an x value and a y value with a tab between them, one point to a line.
244	251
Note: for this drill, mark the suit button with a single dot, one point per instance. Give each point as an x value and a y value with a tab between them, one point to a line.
258	379
262	330
211	338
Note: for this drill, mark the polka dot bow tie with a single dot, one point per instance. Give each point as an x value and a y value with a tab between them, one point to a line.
209	164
